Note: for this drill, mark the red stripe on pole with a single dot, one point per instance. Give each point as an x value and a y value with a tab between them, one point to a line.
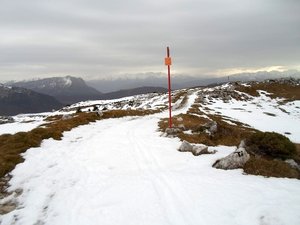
169	87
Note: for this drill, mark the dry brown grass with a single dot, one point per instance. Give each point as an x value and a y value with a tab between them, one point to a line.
194	109
227	134
252	90
178	95
190	122
122	113
53	118
297	158
298	148
270	168
276	89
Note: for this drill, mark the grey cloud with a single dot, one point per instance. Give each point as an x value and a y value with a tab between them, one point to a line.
115	37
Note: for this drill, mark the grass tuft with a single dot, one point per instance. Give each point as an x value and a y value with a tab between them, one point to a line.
257	165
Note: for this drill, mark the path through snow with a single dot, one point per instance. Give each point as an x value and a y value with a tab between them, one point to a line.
121	171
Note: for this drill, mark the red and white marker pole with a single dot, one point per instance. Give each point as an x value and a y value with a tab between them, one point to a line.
168	62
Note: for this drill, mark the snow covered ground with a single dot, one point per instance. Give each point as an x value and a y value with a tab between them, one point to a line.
27	122
262	113
22	123
123	171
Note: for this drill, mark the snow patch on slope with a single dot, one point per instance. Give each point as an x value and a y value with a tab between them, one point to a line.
262	113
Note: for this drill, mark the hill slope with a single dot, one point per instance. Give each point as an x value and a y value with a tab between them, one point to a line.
14	100
125	171
91	176
133	91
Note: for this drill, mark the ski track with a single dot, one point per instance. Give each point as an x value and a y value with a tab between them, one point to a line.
121	171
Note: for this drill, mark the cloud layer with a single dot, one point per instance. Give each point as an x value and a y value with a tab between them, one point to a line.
109	38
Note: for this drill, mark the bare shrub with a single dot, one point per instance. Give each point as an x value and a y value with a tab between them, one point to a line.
271	144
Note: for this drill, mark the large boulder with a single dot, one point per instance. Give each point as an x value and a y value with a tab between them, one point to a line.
235	160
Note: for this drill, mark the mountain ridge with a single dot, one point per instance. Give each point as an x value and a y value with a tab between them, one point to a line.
65	89
15	100
183	81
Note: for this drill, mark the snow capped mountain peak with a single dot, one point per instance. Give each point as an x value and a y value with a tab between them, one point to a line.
56	82
68	81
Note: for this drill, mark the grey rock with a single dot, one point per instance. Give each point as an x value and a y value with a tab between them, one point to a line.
181	126
186	147
179	119
99	113
235	160
171	132
194	149
293	164
212	127
199	150
6	119
242	144
66	117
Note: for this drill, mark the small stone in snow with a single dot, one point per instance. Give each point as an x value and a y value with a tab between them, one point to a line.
186	147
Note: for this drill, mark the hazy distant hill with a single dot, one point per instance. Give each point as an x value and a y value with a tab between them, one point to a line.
133	91
183	81
15	100
66	89
71	90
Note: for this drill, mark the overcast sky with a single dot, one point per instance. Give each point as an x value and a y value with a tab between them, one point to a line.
114	38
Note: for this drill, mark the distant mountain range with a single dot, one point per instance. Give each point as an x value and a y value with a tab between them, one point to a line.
183	81
70	89
65	89
15	100
51	93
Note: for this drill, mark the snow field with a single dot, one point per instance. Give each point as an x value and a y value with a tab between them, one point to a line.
122	171
255	114
22	123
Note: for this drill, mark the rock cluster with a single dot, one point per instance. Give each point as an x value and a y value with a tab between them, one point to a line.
289	81
171	132
224	93
6	119
194	149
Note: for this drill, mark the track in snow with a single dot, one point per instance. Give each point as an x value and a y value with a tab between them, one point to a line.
120	171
